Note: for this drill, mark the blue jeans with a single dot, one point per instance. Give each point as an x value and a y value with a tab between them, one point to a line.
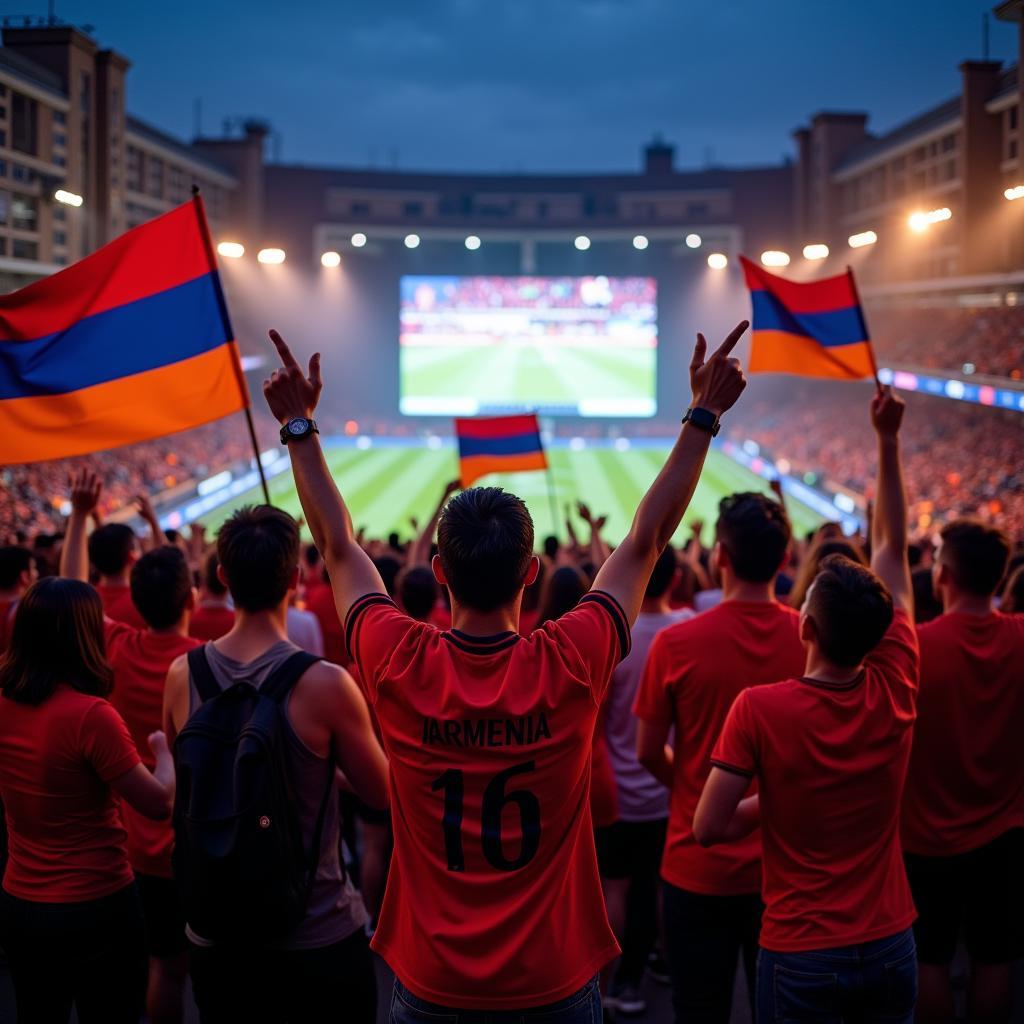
582	1007
868	983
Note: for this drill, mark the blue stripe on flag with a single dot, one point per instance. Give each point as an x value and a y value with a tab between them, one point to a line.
831	329
518	444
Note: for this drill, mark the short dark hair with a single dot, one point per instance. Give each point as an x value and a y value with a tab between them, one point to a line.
110	548
851	609
14	560
258	547
485	543
754	531
417	592
57	637
211	581
311	555
551	546
388	567
161	584
975	554
663	574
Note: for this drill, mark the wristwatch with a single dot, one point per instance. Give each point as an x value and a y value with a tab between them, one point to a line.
702	419
297	428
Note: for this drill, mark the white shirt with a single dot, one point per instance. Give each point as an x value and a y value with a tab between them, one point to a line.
304	631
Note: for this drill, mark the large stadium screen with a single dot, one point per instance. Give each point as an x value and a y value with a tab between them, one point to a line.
577	346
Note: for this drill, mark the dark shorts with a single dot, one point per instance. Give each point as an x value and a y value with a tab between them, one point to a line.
165	922
979	894
628	849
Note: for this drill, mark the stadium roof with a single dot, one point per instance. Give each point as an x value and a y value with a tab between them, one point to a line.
160	138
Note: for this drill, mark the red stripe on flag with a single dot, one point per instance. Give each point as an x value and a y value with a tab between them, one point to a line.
831	293
497	426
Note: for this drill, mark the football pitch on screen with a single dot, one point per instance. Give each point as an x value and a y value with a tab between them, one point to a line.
386	486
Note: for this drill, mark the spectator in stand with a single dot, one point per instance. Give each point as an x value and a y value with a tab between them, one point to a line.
963	806
417	594
629	850
693	673
213	615
821	548
320	601
17	574
304	629
70	920
113	549
829	751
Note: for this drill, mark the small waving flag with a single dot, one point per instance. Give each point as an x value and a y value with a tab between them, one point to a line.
813	329
130	343
498	444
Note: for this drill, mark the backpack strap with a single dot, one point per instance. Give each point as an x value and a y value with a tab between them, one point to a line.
282	680
202	675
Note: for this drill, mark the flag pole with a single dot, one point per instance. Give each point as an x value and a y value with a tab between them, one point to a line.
864	324
236	362
552	500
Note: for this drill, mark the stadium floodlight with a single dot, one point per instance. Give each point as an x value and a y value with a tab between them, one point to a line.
1017	192
472	242
270	256
694	240
640	242
358	239
862	238
774	258
816	251
330	259
62	195
718	261
582	243
233	250
411	241
921	220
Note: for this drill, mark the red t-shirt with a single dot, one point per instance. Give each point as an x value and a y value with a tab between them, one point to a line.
140	660
830	761
493	900
57	760
965	785
119	606
604	792
211	622
320	601
692	674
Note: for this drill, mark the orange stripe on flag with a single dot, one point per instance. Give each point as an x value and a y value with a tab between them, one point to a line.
136	408
782	352
475	466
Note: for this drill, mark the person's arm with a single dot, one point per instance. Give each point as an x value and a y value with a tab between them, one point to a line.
716	385
653	751
419	550
175	713
570	530
150	793
599	550
889	558
290	393
722	814
157	538
74	555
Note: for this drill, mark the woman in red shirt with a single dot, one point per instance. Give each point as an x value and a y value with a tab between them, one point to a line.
70	920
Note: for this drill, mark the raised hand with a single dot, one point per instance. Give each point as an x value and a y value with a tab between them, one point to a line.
887	412
584	512
717	383
145	507
289	392
86	489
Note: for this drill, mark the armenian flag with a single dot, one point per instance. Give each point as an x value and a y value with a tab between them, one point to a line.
130	343
498	444
813	328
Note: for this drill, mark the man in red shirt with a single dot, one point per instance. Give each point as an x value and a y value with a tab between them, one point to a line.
213	615
829	752
493	900
963	807
712	898
17	573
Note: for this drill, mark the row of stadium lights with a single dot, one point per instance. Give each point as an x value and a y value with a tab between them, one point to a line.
918	222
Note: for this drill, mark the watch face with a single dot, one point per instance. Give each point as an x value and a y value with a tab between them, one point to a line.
297	427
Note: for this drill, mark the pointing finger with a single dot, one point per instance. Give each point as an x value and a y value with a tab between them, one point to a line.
730	342
283	350
699	352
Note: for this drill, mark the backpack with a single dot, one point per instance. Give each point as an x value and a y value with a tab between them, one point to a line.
243	874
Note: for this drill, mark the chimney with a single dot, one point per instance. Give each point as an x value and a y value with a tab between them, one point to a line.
658	158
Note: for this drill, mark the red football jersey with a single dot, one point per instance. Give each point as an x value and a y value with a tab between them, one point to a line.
493	900
830	760
211	622
693	673
965	785
140	660
119	606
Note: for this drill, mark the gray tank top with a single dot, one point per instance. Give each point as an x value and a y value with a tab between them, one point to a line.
336	908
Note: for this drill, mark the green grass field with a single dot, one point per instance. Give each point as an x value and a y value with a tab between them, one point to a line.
385	486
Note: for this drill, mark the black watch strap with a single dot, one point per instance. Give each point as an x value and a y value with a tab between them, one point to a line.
297	428
703	419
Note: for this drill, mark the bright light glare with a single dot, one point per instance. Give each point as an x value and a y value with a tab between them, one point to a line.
582	243
816	251
331	259
775	258
640	242
359	239
921	220
718	261
62	195
693	241
472	242
1017	192
270	256
233	250
861	239
411	241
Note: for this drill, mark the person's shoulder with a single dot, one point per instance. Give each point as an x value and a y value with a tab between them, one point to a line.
1011	625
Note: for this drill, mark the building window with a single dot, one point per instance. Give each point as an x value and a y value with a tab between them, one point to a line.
3	89
696	209
3	168
412	209
60	238
5	205
24	124
60	139
3	137
948	143
59	117
59	160
23	250
19	172
155	176
59	213
360	209
24	212
133	169
3	112
1013	118
3	246
1011	150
